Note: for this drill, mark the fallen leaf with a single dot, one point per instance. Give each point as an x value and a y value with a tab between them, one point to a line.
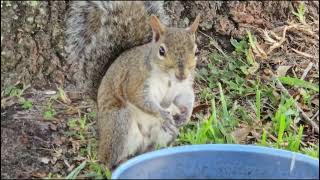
276	94
38	174
200	107
66	163
255	134
72	110
75	145
57	153
272	137
58	141
241	133
282	70
64	97
304	107
79	158
53	127
24	140
63	139
70	168
74	95
54	160
252	69
315	101
45	160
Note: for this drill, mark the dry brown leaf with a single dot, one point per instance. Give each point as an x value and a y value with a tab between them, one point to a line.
53	127
315	101
254	68
38	174
72	110
58	141
282	70
200	107
24	140
65	99
241	133
75	145
54	160
45	160
255	134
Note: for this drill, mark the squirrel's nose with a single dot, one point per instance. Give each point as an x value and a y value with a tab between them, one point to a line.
181	76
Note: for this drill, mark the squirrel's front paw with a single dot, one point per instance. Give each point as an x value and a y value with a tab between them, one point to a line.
166	116
169	123
170	126
181	118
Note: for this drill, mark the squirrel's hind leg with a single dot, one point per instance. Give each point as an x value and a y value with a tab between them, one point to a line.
120	136
113	131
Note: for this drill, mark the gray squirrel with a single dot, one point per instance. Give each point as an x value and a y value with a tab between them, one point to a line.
144	72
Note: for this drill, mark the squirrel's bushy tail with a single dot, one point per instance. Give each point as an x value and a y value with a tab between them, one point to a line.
98	31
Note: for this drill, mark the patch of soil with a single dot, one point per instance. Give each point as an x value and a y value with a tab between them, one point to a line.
21	143
33	147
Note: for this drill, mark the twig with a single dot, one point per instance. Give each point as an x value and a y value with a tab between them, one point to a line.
281	40
68	106
305	72
305	117
304	54
315	115
214	43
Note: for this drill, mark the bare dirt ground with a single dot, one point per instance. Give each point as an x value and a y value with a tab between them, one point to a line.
32	146
32	53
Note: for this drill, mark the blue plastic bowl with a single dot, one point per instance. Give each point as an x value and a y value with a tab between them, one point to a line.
219	161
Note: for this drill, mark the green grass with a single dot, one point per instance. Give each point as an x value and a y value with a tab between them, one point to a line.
312	151
300	14
17	92
79	129
299	83
243	101
76	171
49	111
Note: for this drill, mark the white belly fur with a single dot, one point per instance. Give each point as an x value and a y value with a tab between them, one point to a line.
137	139
141	138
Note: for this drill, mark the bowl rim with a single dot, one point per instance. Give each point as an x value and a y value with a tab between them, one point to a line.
212	147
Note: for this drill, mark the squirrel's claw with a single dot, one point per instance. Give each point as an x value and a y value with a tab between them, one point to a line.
169	123
181	118
170	126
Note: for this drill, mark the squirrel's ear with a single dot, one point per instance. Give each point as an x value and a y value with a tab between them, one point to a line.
157	27
194	26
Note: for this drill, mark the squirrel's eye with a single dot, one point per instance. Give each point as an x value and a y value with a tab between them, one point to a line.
197	52
162	52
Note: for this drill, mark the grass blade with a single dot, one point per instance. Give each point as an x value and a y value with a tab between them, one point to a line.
282	126
298	139
298	82
264	138
76	171
223	103
213	116
258	104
